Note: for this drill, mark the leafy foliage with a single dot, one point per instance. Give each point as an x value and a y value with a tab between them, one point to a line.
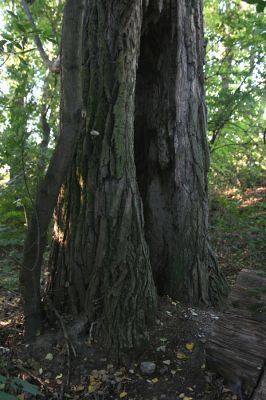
235	81
261	4
29	100
16	385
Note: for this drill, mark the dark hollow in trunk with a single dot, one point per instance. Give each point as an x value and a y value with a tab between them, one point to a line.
171	153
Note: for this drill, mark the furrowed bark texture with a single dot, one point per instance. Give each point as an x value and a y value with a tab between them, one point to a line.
99	262
171	152
144	106
46	198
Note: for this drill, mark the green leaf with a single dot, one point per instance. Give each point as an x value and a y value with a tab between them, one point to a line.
21	384
260	7
6	396
12	14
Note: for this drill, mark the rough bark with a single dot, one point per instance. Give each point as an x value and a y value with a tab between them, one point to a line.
171	152
100	262
236	348
71	111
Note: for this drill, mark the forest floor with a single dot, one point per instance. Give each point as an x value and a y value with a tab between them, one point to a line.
176	347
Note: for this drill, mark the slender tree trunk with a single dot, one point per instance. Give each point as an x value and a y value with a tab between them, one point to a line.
100	262
172	155
71	121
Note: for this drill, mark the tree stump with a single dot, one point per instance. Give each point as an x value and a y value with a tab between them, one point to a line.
236	348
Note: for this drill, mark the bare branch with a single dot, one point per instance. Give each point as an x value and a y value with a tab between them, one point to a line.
54	65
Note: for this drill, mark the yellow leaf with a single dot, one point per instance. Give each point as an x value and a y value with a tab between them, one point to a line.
79	388
92	380
187	398
181	356
190	346
91	388
154	380
122	395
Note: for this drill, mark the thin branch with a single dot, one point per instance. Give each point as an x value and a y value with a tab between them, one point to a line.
54	65
231	144
234	104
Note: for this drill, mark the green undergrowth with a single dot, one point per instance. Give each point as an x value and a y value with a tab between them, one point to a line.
10	258
238	228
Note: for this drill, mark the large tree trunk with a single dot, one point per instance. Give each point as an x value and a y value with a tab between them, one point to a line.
171	152
100	261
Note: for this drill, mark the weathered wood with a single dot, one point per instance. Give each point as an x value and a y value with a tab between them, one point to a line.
237	346
260	392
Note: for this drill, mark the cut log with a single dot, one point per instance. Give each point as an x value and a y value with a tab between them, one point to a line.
236	348
260	392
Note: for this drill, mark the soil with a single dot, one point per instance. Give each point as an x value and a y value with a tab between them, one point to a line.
176	345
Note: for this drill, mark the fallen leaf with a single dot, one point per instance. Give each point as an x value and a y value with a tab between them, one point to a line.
166	362
79	388
118	373
122	395
190	346
181	356
91	388
173	372
161	348
49	357
155	380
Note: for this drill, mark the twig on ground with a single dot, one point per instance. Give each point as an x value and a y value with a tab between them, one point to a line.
69	345
38	379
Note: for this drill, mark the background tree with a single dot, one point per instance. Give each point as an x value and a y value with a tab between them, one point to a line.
29	109
235	81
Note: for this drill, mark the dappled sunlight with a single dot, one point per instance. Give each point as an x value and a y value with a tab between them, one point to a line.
251	201
4	323
246	198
